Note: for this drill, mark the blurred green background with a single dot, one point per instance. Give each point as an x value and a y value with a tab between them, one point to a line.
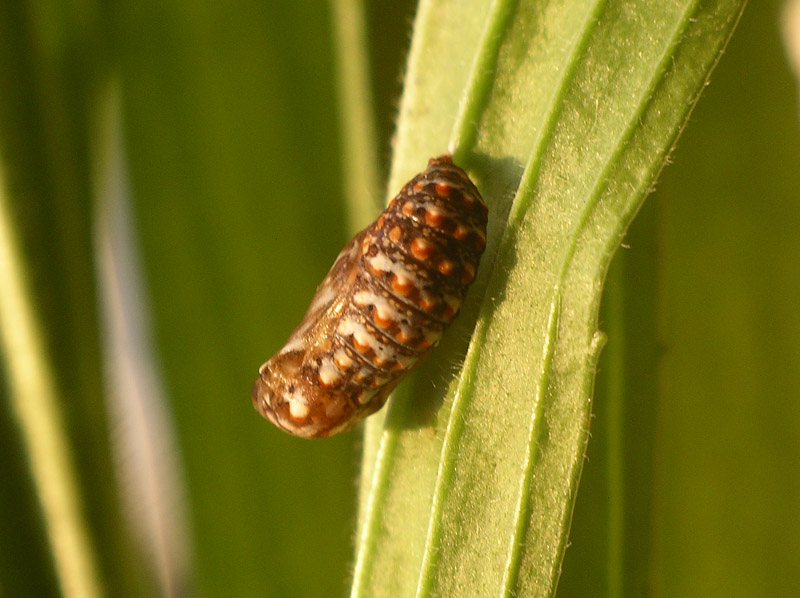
233	153
711	263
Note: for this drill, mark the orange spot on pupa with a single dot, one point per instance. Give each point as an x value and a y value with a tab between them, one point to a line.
408	208
443	189
421	248
381	321
452	305
342	361
361	348
445	266
424	343
375	271
397	366
468	274
395	234
401	286
419	186
461	232
381	220
403	336
427	302
434	217
480	240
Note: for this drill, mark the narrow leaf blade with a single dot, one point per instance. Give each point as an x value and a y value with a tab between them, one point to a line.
473	487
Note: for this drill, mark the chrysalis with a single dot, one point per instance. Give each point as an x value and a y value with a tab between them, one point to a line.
386	301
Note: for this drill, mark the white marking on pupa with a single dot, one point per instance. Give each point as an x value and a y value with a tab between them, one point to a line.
298	410
328	373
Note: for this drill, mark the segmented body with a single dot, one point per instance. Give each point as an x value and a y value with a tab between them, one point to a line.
385	303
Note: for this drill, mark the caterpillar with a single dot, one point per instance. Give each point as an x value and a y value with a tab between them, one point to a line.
384	304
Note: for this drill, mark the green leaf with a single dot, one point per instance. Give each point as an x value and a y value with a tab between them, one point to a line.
230	127
564	115
59	500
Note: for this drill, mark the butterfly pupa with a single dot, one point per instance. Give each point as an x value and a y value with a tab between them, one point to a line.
387	300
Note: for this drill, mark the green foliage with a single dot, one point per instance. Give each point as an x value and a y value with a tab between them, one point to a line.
564	113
